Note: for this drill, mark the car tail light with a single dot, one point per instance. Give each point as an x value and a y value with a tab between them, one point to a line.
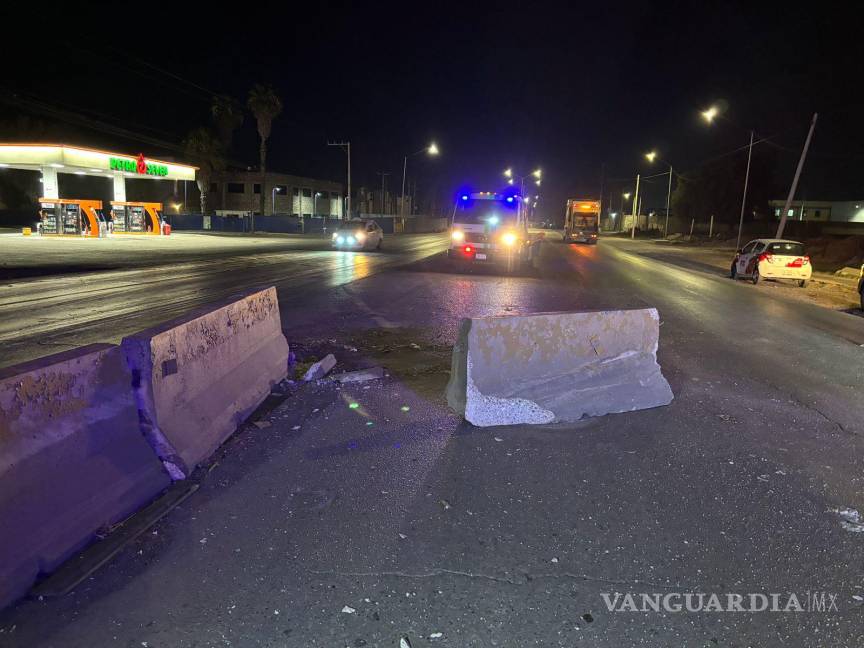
765	256
468	249
806	259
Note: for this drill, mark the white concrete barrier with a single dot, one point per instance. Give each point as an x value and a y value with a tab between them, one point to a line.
72	459
556	366
196	378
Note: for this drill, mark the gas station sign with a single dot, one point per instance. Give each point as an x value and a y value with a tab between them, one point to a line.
139	166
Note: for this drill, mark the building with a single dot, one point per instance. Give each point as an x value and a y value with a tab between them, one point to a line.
821	210
239	192
52	161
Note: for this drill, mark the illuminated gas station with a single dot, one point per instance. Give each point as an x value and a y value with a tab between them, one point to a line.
84	217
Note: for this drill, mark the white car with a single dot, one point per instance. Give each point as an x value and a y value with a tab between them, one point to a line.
772	259
358	234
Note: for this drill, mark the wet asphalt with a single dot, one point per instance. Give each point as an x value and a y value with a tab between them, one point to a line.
370	514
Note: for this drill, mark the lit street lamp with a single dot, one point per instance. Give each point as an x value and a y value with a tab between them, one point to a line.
273	200
432	150
651	157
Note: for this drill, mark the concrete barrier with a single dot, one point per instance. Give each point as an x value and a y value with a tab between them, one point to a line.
72	459
556	366
198	377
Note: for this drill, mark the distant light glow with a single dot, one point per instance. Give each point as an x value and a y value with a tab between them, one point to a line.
651	156
354	405
465	196
509	239
709	114
457	235
509	199
492	220
433	149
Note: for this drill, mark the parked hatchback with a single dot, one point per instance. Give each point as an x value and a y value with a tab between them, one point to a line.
772	259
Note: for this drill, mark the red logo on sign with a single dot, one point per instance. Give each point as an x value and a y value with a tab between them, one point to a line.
142	164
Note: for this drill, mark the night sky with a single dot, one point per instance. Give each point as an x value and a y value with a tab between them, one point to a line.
509	85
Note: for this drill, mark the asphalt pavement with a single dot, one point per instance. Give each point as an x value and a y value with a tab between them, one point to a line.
370	514
57	294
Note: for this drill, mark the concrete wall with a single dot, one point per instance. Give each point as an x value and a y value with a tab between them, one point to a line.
72	459
198	377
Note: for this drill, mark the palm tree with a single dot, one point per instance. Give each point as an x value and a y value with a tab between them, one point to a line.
205	150
266	106
227	117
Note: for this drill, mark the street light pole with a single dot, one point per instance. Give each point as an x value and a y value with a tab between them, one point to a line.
635	201
273	201
347	147
668	198
744	196
402	202
432	149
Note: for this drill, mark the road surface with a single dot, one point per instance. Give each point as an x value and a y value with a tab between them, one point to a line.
59	294
320	529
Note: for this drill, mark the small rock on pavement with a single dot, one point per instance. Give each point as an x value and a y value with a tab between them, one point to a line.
361	375
348	610
320	368
262	424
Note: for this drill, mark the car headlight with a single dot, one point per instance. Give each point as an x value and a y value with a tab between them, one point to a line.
340	240
350	240
509	239
335	234
457	235
360	236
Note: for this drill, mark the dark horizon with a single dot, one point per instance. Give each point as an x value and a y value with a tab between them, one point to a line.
567	90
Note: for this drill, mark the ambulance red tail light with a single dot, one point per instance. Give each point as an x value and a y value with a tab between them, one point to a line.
468	249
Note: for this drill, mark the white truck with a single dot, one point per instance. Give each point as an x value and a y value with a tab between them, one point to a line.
489	227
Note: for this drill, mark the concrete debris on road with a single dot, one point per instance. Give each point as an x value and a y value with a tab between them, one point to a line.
556	367
850	519
320	368
361	375
404	643
348	610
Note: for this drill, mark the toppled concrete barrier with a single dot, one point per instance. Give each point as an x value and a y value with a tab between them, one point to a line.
72	459
556	366
320	368
198	377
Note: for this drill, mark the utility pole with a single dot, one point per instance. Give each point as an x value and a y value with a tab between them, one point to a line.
744	197
794	186
602	189
635	200
347	147
668	199
383	175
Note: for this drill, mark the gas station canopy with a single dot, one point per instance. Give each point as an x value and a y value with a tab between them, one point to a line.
52	159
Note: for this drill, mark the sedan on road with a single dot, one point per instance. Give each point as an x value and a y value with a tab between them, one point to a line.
358	234
772	259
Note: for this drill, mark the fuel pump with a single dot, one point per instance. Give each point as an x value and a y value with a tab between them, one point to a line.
65	217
